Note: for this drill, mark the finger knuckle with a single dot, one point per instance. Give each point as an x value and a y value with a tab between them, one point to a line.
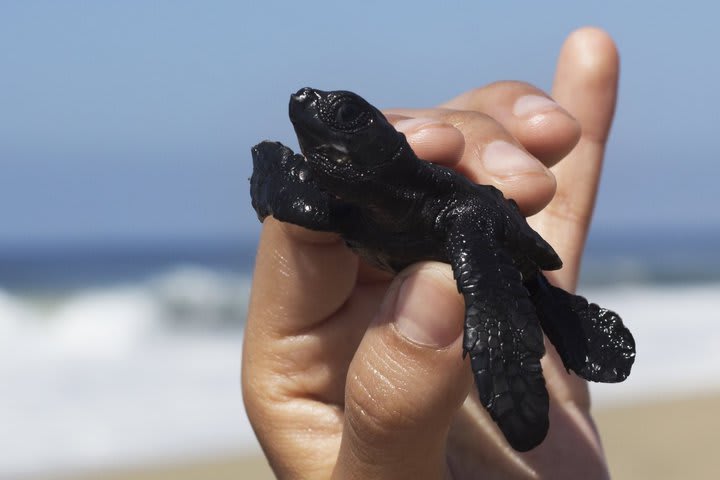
513	86
469	120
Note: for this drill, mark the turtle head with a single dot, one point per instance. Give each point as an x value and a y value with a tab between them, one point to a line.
344	138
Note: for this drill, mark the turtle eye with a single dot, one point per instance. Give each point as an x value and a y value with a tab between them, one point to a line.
347	112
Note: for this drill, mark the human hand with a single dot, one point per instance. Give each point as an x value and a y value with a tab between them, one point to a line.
332	392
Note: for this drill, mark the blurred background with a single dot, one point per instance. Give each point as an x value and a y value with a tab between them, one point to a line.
127	237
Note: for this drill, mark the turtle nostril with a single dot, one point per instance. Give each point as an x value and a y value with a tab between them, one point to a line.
302	102
302	95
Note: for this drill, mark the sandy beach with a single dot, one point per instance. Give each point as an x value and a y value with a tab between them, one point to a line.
666	440
237	468
676	439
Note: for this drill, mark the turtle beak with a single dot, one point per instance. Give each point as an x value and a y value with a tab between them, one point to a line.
304	114
302	95
303	100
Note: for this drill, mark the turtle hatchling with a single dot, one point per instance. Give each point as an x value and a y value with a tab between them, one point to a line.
357	176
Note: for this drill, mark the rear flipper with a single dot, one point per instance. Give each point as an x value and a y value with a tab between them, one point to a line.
592	341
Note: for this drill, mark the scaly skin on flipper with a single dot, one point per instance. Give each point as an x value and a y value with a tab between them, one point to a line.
359	177
502	334
592	341
281	186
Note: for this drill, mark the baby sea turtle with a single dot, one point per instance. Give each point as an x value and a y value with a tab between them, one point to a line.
358	177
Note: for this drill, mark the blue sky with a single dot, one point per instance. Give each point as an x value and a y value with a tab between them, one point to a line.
132	121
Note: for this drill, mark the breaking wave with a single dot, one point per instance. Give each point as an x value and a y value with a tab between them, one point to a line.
148	371
122	375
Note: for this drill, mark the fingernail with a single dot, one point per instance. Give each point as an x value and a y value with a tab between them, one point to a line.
504	159
412	125
531	105
427	309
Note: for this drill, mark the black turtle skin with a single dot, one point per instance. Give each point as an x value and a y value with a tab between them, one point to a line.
358	177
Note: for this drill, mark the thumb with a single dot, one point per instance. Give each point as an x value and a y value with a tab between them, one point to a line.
406	381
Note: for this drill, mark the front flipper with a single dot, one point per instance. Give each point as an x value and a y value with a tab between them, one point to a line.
592	341
502	335
282	186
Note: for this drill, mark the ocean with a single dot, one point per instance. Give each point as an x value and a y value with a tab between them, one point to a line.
124	355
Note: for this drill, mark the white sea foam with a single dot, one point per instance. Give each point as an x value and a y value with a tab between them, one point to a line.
123	375
134	374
